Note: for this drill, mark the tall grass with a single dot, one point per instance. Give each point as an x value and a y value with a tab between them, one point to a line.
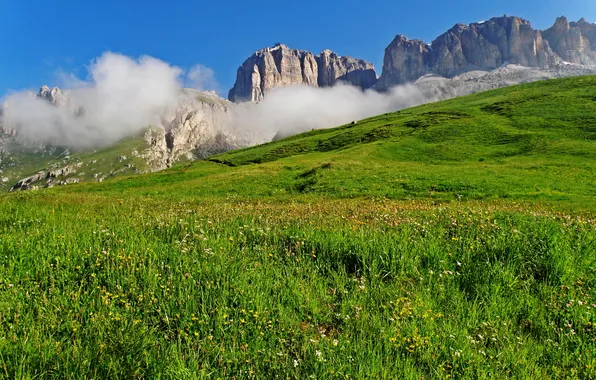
328	289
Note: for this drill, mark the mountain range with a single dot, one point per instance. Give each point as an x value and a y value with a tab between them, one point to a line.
485	45
467	58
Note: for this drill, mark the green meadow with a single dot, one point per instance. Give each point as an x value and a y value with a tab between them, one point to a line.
451	240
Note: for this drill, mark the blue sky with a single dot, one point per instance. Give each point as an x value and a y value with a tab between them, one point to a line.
41	38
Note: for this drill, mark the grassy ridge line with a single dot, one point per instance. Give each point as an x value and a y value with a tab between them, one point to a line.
522	118
532	142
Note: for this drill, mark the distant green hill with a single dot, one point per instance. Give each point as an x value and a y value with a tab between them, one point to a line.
530	142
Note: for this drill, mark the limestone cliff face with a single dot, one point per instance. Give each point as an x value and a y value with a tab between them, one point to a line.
194	127
488	45
573	42
281	66
484	45
334	68
270	68
405	61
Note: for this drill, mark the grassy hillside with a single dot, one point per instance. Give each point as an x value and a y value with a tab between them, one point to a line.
552	119
452	240
89	165
527	143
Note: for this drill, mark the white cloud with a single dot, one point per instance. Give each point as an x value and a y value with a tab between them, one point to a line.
296	109
122	96
202	78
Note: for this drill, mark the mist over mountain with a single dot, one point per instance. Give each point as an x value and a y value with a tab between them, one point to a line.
280	91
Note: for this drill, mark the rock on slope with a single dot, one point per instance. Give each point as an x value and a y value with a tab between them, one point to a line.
281	66
488	45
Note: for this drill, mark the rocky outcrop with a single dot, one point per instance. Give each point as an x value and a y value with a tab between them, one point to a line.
281	66
488	45
48	178
573	42
485	45
195	128
334	68
54	96
405	61
27	183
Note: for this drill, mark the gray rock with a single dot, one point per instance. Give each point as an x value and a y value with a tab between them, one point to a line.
198	125
485	45
573	42
69	181
281	66
334	68
26	183
405	61
54	96
62	172
49	176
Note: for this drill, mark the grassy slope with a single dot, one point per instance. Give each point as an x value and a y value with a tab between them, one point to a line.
530	143
103	162
301	265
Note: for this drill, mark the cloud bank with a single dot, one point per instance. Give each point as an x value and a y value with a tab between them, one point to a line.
290	110
122	96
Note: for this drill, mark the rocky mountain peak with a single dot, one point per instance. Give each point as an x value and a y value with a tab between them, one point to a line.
561	24
574	42
405	61
281	66
44	91
484	45
54	96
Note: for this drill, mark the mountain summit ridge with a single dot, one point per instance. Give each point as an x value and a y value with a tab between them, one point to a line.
488	45
281	66
485	45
